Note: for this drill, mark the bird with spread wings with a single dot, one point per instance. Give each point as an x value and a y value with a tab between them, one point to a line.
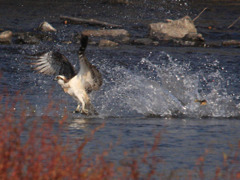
78	85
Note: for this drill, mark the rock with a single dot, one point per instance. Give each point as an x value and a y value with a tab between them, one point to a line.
106	32
231	43
194	37
174	29
191	39
46	27
155	43
115	35
107	43
27	38
185	43
143	41
31	38
6	37
125	40
213	44
93	43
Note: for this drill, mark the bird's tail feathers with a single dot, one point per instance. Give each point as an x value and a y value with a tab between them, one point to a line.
84	42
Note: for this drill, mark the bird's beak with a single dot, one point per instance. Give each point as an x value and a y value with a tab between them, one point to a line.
55	79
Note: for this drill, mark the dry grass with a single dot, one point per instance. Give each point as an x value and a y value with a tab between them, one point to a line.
33	149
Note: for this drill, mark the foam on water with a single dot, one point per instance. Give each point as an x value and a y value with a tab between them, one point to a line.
167	89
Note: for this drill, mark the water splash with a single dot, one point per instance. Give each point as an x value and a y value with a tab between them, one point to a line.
167	89
161	86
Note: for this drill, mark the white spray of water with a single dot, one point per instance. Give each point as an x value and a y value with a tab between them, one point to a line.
162	89
171	90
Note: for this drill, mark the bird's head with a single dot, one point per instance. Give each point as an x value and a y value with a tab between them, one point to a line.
61	79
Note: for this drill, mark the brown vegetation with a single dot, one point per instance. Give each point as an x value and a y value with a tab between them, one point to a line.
33	149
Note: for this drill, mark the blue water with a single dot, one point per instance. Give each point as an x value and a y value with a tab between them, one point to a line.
147	90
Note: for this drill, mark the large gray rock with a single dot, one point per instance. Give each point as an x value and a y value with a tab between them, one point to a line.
6	37
174	29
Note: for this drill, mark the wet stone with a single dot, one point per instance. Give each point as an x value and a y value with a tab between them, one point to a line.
46	27
106	32
185	43
107	43
119	36
143	41
194	37
31	38
213	44
231	43
191	39
125	40
174	29
6	37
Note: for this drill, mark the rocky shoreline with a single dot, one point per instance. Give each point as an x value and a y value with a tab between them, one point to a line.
171	32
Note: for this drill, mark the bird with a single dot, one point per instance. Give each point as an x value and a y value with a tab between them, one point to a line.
78	85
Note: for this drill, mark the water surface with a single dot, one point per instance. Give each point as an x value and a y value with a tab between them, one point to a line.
146	89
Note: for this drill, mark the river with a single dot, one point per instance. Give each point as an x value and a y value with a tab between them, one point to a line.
146	89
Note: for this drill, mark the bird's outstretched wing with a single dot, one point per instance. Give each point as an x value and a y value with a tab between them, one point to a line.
94	82
53	63
97	78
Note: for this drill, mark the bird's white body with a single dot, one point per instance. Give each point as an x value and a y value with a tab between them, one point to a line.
75	87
